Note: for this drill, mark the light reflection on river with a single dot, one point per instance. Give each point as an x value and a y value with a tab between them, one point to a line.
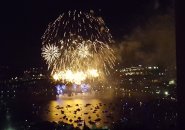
70	109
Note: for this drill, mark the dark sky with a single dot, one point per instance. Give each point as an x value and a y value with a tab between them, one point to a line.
24	22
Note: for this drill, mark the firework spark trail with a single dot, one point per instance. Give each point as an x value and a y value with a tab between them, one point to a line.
76	42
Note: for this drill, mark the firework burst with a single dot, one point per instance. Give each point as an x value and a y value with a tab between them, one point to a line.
50	53
77	42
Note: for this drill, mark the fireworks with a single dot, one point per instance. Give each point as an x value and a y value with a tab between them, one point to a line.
50	53
76	47
75	77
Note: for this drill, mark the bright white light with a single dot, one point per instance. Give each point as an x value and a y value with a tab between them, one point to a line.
166	93
172	82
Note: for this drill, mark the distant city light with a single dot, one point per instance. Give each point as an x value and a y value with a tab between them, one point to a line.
158	92
166	93
171	82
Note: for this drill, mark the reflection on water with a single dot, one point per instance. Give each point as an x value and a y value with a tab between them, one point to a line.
75	111
102	109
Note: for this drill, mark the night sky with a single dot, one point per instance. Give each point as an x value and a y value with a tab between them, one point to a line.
23	24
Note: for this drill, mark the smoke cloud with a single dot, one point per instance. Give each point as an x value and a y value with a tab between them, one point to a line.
151	44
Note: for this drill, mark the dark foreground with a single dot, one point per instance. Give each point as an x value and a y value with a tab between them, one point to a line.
133	112
27	107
